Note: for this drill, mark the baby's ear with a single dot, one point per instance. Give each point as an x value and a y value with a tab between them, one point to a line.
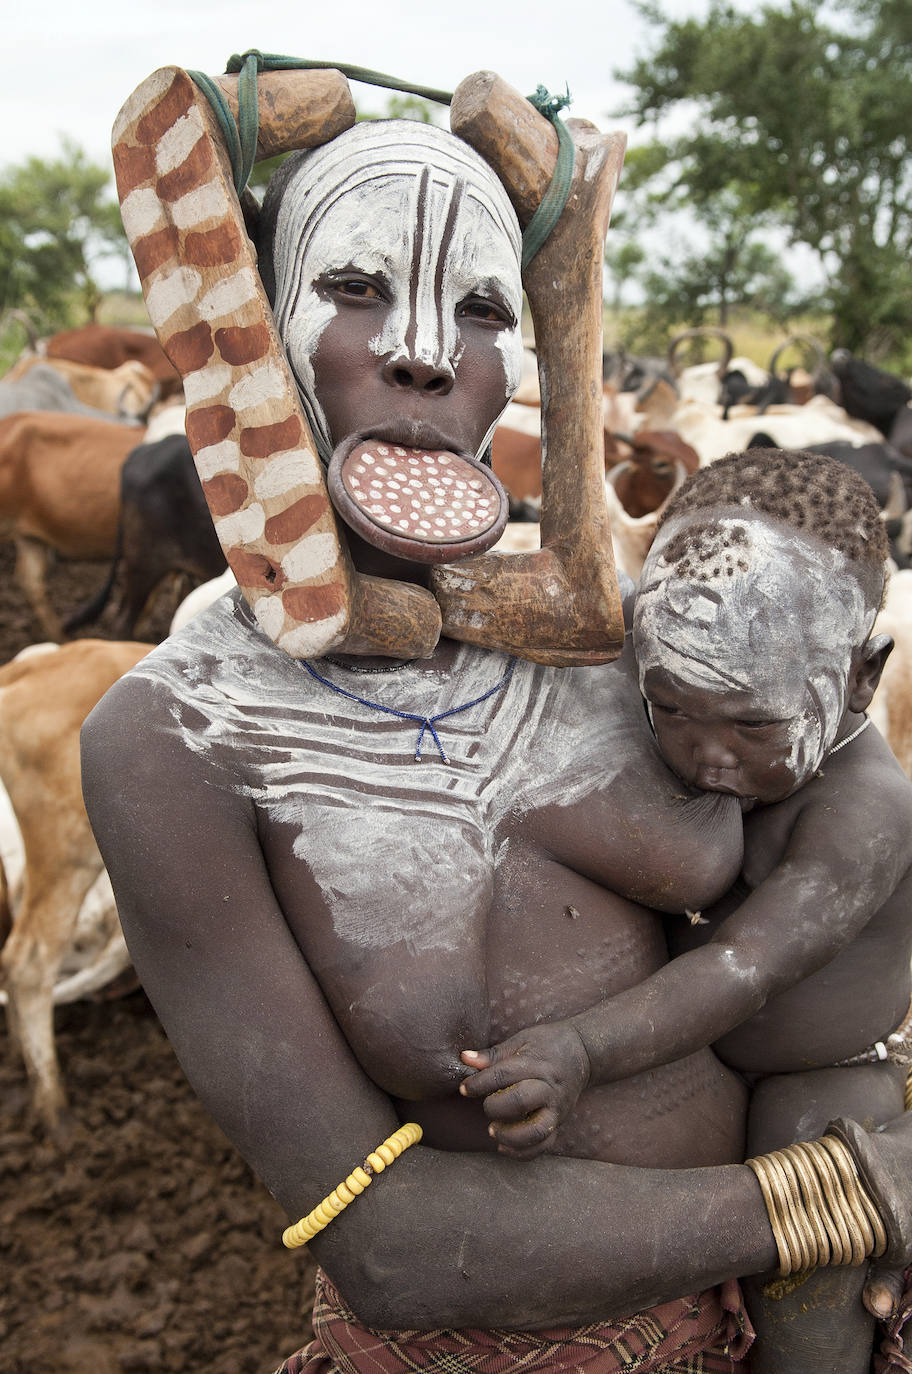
866	675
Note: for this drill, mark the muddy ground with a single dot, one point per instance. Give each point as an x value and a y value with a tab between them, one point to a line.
142	1242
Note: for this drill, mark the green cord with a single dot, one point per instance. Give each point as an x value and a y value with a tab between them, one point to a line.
241	138
555	198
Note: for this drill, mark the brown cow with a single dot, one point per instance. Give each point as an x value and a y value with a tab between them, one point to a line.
104	345
60	490
128	391
44	698
638	489
891	709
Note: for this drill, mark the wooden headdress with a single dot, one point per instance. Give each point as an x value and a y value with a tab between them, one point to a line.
253	449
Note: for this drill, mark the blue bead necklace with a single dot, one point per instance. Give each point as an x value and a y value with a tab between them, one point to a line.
427	723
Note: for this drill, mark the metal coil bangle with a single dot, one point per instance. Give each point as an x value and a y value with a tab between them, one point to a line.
819	1209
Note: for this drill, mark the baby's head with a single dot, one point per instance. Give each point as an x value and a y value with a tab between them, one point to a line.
753	619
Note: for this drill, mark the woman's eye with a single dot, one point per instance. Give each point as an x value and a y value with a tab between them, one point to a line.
364	289
489	312
354	288
666	710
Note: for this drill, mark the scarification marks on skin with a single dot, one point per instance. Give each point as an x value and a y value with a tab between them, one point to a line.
204	298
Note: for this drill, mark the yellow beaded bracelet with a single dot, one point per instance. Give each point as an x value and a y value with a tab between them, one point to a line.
359	1179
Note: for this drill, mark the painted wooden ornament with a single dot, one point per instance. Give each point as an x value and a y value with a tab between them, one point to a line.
253	448
251	442
558	605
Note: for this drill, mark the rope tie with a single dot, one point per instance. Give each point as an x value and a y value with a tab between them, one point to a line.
241	135
555	198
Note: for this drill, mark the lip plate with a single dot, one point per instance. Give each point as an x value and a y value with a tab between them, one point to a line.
426	547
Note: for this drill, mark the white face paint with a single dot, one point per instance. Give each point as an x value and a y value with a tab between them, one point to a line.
756	615
417	207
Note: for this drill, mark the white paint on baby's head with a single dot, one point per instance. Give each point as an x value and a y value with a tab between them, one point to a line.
732	614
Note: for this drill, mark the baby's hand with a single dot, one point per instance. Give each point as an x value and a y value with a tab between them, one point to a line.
530	1084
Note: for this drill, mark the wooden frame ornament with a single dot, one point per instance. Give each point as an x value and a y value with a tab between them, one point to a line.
252	446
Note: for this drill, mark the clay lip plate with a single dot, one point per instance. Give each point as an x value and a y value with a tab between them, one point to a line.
427	505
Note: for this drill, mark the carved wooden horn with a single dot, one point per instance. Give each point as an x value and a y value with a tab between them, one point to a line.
559	605
253	449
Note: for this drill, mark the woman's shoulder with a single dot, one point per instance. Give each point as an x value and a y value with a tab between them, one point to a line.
182	680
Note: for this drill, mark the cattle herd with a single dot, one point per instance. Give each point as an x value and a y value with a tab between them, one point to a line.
95	465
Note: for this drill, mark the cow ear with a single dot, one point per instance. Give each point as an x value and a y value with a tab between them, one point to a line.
866	673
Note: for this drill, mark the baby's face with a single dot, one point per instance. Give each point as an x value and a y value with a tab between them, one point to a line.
737	740
744	632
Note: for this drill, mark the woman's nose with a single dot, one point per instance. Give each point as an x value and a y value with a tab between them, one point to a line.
417	374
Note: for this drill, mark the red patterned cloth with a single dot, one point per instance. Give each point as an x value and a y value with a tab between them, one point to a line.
890	1356
706	1334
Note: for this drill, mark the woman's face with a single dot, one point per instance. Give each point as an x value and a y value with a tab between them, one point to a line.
400	312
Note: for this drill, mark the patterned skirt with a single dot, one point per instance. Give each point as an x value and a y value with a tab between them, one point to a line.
706	1334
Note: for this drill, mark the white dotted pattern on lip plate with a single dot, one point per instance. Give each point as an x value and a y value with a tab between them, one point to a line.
433	496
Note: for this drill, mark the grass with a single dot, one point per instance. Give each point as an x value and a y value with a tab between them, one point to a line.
752	336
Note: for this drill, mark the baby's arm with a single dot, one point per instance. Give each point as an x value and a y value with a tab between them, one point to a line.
843	859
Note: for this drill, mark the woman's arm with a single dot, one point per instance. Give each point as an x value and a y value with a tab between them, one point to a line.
439	1239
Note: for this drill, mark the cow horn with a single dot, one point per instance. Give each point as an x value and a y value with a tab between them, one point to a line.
701	332
808	339
20	317
897	502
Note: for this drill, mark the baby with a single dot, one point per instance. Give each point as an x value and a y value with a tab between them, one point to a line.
752	631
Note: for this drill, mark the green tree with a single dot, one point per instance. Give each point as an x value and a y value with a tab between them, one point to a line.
798	118
58	220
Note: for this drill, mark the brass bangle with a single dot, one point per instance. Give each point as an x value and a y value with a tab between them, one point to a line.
819	1209
335	1202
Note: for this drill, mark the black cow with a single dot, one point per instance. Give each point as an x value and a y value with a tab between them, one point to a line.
165	527
869	393
883	467
900	435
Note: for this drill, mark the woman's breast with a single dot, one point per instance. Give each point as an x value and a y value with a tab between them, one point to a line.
390	906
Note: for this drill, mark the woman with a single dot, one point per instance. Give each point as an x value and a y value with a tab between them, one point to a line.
323	923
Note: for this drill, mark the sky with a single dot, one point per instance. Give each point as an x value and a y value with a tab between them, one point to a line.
77	63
